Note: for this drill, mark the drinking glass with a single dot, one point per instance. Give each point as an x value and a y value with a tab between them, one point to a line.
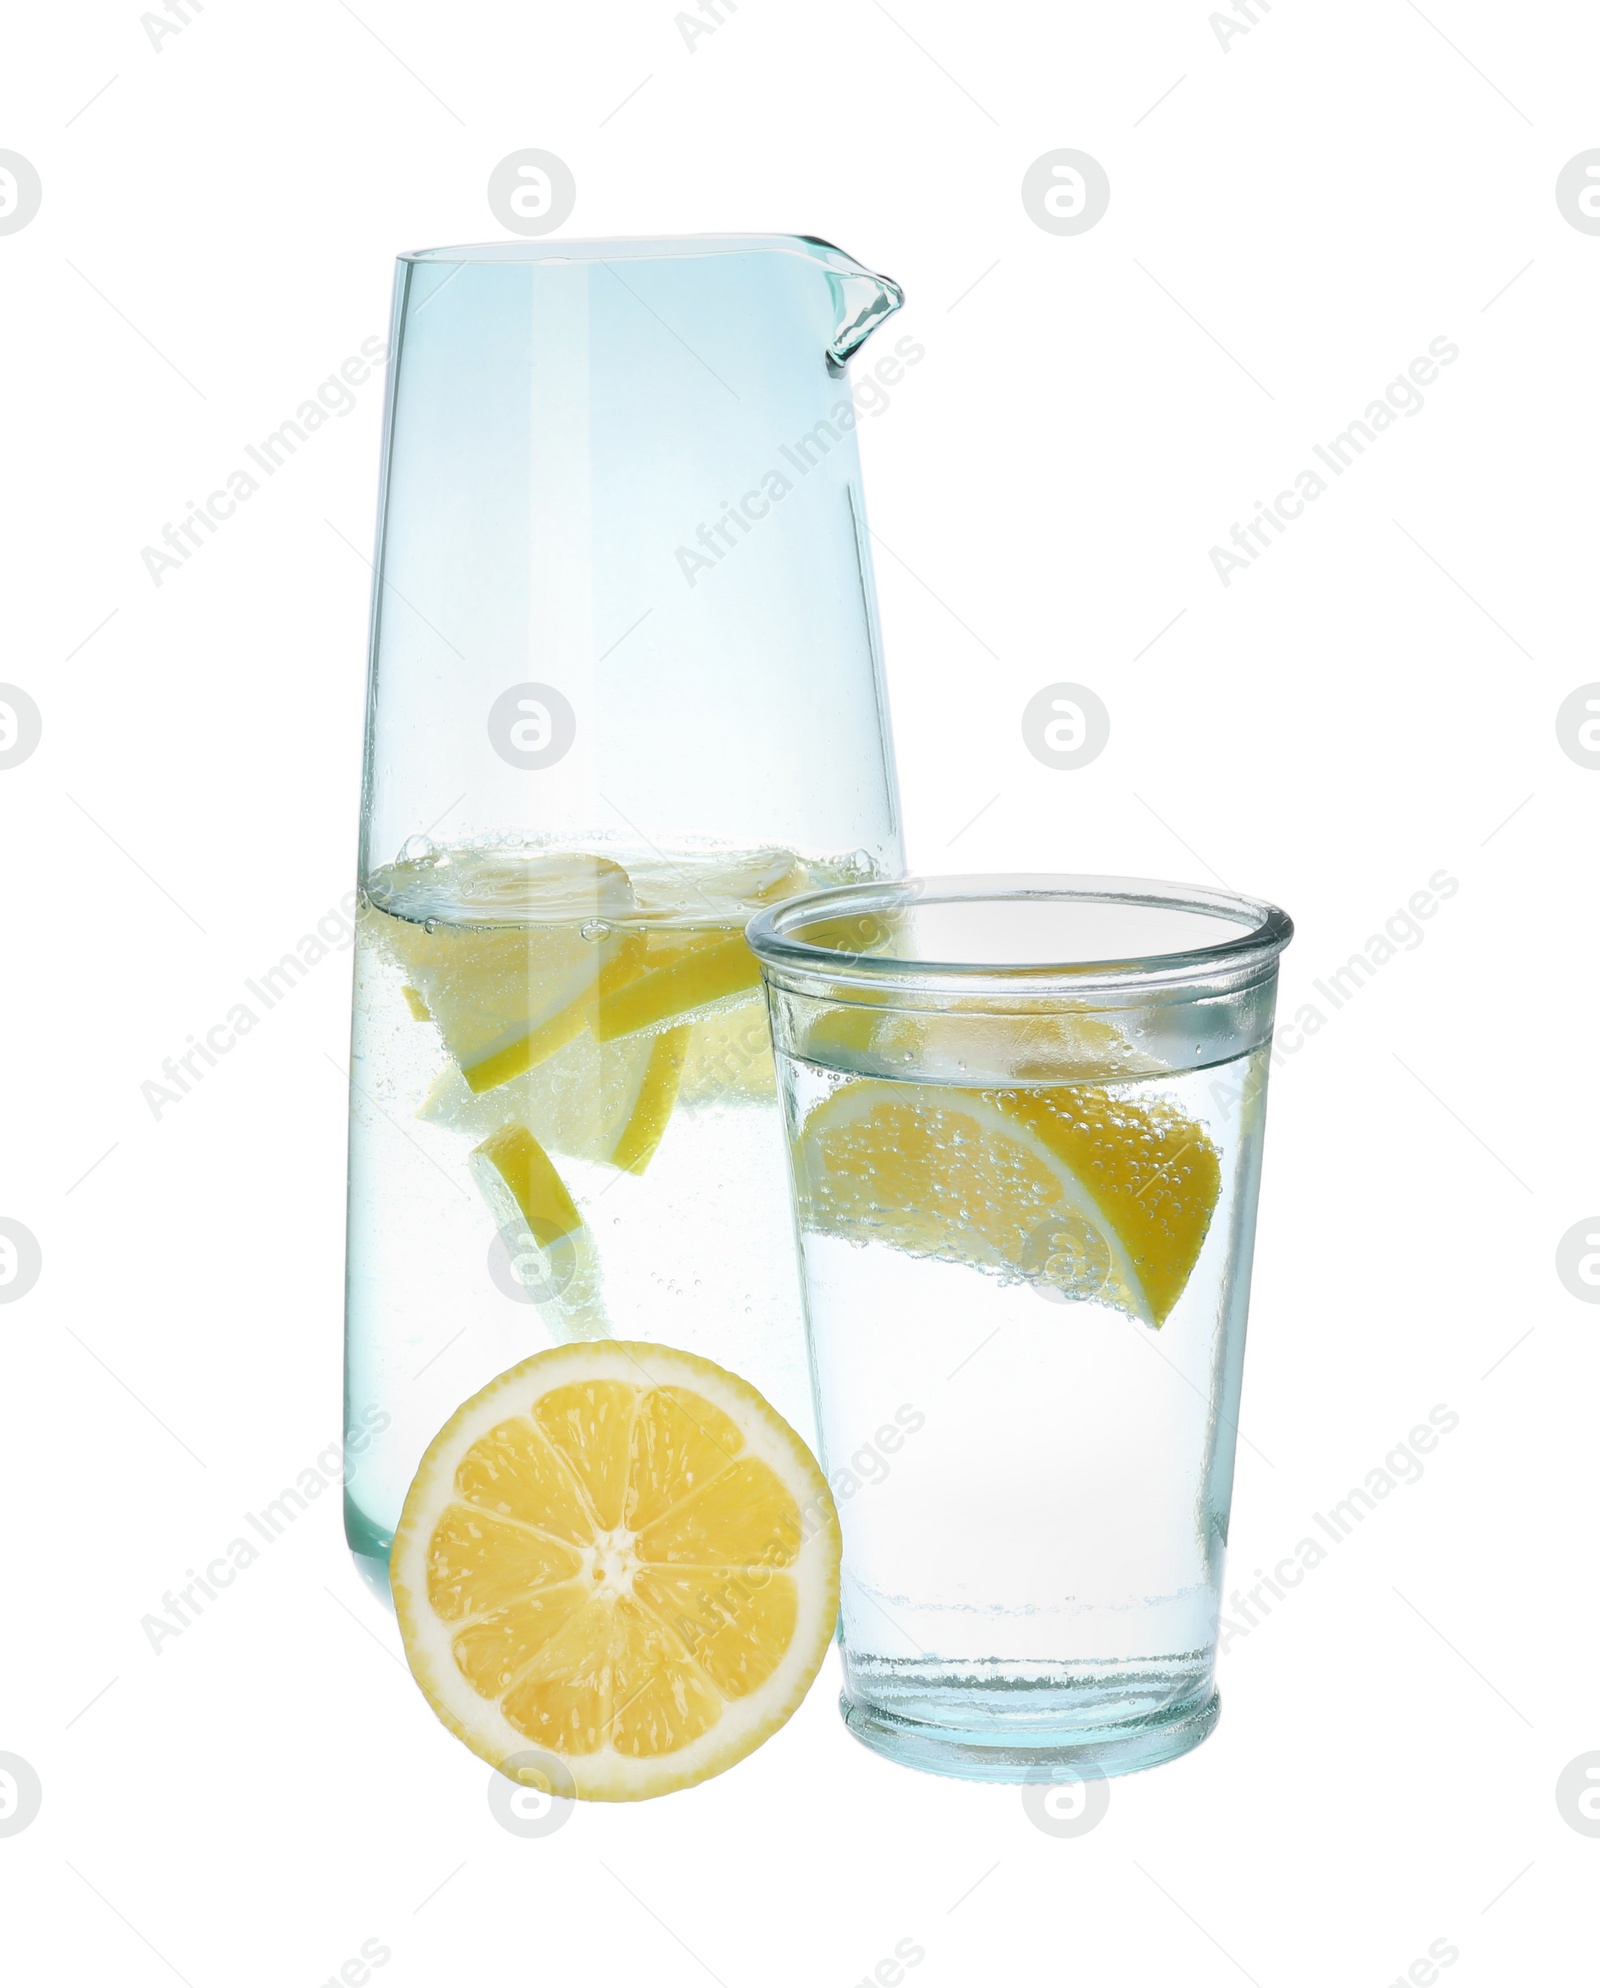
625	689
1025	1120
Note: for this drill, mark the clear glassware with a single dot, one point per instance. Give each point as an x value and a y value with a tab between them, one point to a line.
1025	1119
625	689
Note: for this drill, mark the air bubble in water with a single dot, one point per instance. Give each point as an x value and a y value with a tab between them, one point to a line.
593	929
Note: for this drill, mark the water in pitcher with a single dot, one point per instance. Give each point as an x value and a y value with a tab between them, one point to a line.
565	1125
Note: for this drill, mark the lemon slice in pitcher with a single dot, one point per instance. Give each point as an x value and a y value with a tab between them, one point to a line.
514	973
547	1242
692	966
674	975
590	1101
719	885
621	1555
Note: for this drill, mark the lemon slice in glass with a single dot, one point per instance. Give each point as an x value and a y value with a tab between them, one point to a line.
1063	1185
618	1554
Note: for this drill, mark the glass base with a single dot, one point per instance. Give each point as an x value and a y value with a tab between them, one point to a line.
375	1577
365	1535
998	1751
369	1548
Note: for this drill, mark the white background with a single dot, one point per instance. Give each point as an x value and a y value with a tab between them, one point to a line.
1373	700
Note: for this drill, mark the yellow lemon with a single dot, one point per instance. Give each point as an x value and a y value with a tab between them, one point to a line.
589	1101
719	885
672	975
974	1047
729	1058
573	943
618	1554
1072	1185
505	995
547	1241
520	1168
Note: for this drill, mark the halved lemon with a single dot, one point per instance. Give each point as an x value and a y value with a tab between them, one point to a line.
621	1555
1070	1186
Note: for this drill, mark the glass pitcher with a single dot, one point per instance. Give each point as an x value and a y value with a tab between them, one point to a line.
625	690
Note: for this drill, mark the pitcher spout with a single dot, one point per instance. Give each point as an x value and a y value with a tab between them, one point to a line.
863	300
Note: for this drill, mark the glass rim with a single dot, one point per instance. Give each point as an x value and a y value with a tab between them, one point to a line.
803	966
528	252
